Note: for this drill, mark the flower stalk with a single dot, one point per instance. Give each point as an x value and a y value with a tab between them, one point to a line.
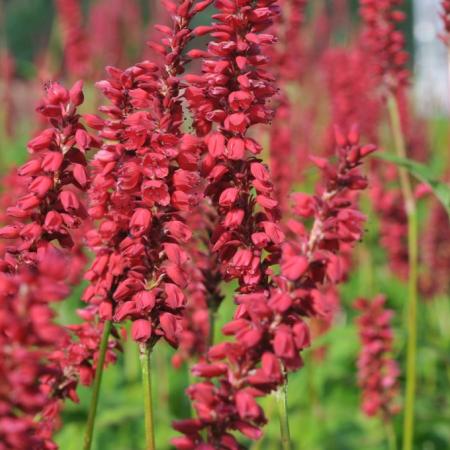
411	211
390	435
145	353
97	385
285	435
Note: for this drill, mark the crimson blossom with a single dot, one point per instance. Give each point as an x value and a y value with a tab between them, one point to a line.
76	46
42	362
145	180
269	329
385	41
378	372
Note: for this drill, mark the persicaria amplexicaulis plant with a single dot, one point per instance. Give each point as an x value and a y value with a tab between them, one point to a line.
41	262
213	201
269	327
378	372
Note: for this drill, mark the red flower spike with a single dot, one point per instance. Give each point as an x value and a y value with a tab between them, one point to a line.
31	277
385	42
145	183
378	373
269	330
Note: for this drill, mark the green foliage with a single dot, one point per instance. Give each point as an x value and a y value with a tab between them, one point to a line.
424	174
27	30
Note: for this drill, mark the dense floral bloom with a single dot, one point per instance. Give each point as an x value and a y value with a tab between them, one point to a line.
76	47
27	338
385	41
145	180
269	329
445	16
41	361
50	208
378	372
226	100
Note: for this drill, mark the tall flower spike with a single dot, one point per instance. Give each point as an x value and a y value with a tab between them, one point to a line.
35	271
269	330
76	46
386	41
378	372
145	181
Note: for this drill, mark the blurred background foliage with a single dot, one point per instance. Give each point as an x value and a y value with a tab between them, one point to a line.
324	408
27	26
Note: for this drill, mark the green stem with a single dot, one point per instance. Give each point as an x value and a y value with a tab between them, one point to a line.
281	396
413	252
97	384
145	352
390	435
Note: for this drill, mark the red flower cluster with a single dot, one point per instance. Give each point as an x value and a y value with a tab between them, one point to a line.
377	372
76	47
231	94
41	364
145	180
268	328
56	174
28	336
385	41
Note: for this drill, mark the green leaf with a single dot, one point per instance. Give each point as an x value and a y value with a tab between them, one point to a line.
422	173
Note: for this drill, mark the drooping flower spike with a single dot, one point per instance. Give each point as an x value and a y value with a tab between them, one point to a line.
145	181
42	362
385	41
378	372
269	329
76	45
